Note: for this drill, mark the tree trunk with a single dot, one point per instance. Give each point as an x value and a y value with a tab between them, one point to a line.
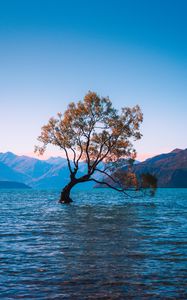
65	194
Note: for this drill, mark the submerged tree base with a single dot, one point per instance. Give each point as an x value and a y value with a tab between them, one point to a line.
65	198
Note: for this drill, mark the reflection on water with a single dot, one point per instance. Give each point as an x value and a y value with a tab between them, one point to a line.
100	247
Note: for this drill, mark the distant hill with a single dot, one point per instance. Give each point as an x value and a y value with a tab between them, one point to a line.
56	160
13	185
28	166
9	174
169	168
45	174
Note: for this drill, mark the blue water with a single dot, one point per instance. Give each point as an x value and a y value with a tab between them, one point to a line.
103	246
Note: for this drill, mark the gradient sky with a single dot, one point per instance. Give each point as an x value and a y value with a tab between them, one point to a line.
53	52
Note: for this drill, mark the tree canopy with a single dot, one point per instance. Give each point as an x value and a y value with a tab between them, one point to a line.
92	130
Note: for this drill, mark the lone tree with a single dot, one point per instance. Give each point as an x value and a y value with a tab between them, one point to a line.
93	131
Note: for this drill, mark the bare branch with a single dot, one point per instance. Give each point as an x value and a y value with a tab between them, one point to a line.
74	157
105	173
110	186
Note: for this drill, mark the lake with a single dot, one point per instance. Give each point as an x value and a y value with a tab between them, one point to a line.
103	246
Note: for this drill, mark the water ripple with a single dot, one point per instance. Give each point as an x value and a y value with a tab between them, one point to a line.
101	247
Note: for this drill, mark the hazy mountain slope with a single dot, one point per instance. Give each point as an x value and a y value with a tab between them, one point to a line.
56	161
52	173
58	176
6	173
55	177
170	169
29	166
13	185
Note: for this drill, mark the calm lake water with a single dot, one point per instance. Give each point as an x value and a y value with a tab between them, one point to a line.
103	246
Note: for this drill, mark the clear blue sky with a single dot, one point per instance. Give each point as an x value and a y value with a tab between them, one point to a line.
53	52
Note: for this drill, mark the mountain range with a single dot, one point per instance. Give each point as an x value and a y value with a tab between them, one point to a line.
169	168
36	173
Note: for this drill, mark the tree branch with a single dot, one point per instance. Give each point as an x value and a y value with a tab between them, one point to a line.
74	157
65	150
68	160
110	186
97	161
88	143
105	173
81	152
